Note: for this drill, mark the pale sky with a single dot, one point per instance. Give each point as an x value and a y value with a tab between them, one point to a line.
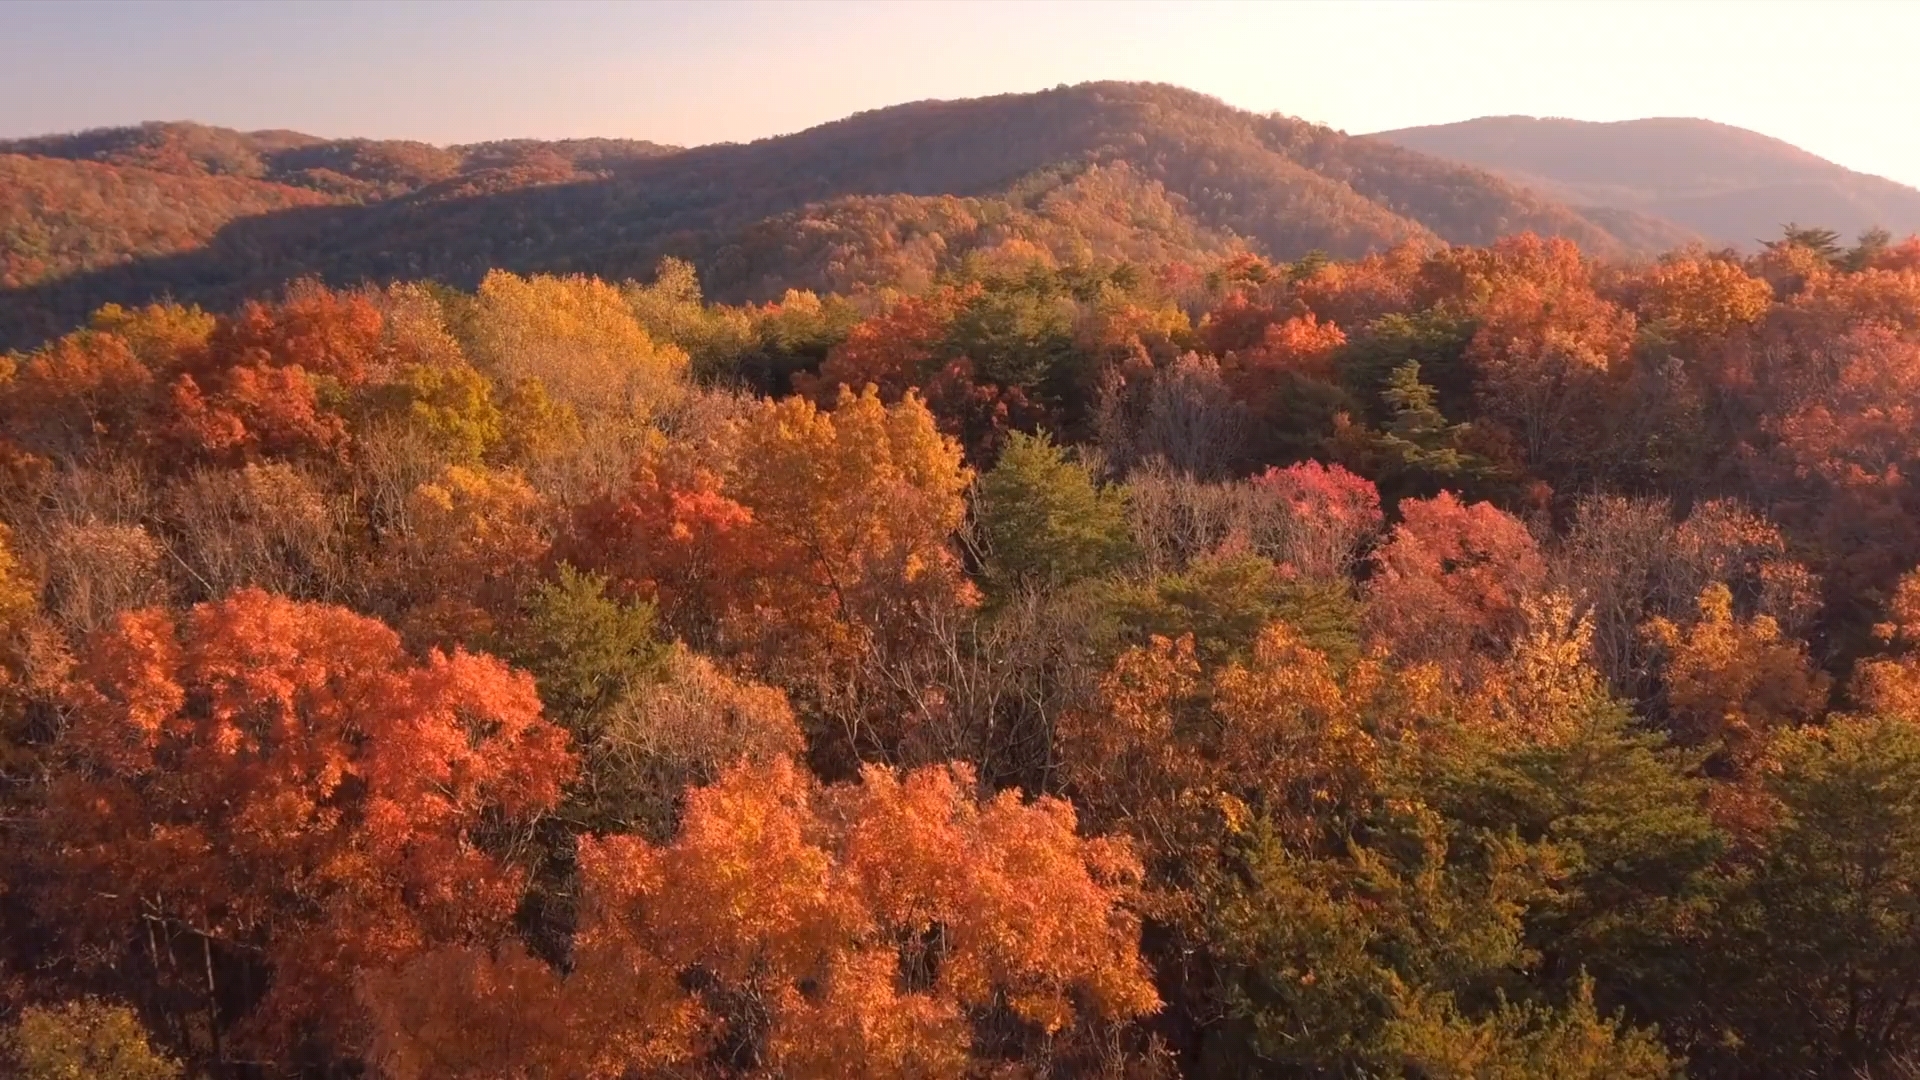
1835	78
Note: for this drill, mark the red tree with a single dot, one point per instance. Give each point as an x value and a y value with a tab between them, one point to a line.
1450	579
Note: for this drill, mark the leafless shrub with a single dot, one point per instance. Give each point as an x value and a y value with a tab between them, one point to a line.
1182	413
96	570
268	526
989	689
1629	560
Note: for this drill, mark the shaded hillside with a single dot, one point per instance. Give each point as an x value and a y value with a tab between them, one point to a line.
75	203
856	241
1113	170
60	217
1731	185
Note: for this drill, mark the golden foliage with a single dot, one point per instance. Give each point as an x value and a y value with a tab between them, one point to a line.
578	337
1732	684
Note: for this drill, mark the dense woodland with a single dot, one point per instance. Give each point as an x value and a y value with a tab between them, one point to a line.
1056	624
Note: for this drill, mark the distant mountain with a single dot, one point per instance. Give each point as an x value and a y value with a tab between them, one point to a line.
73	203
1731	185
1102	170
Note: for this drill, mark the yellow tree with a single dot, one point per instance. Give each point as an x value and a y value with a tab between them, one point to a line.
83	1040
471	541
1699	300
1177	759
578	338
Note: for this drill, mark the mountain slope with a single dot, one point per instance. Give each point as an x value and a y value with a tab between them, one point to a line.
74	203
358	169
1731	185
61	217
1114	170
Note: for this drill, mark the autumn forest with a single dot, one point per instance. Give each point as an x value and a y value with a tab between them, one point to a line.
1078	627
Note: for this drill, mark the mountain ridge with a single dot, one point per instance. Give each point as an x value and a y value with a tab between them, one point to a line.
1281	186
1734	185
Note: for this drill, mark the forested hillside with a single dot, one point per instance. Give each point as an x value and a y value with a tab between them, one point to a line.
1733	186
841	206
75	203
1104	651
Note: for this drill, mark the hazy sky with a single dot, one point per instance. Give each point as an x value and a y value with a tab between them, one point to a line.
1831	77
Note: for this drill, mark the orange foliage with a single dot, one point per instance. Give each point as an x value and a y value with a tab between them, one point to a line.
1789	268
1549	353
1730	683
809	932
811	532
322	332
1290	723
674	536
1701	299
1237	324
278	779
1904	256
1113	330
1887	297
473	537
68	217
255	390
1171	757
1861	429
84	391
1356	293
896	351
1131	759
227	389
892	350
246	413
1301	345
1845	448
1890	685
1470	274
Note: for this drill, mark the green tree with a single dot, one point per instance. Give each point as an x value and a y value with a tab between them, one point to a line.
1436	339
1822	242
1871	245
1419	451
1044	520
1015	337
1820	957
1362	962
1224	601
671	311
1419	438
586	649
1636	847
